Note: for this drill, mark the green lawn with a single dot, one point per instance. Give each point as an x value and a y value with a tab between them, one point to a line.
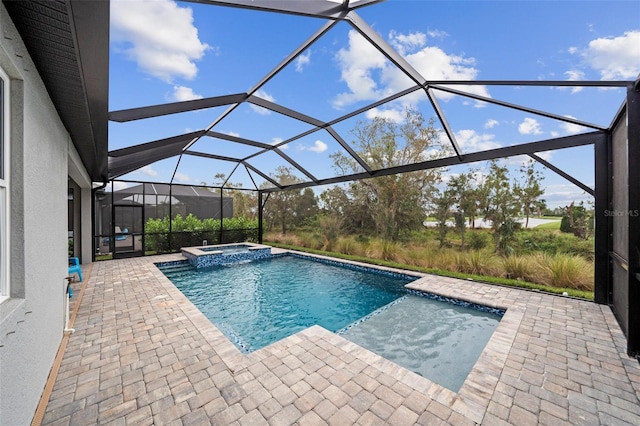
555	225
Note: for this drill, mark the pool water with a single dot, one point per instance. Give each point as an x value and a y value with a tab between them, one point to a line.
228	249
438	340
260	302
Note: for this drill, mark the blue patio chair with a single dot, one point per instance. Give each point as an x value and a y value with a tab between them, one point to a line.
74	267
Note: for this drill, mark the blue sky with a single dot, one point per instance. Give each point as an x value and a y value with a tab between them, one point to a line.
164	51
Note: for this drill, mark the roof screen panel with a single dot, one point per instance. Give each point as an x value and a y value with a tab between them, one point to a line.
201	171
359	132
159	171
480	127
570	101
330	77
308	89
212	45
272	164
150	129
217	146
314	152
256	123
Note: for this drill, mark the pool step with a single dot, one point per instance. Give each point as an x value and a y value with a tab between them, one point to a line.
177	270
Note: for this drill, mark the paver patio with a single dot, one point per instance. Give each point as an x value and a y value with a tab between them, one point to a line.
142	354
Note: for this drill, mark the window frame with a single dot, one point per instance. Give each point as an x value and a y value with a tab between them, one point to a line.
5	289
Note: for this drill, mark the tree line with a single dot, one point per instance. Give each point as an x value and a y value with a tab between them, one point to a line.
393	206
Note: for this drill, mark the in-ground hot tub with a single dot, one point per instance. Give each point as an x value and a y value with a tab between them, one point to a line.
223	254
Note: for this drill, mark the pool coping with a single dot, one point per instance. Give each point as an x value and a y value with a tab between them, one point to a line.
471	400
197	250
199	257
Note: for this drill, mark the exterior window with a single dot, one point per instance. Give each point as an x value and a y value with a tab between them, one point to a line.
4	187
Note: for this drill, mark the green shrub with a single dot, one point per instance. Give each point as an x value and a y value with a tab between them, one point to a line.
477	240
553	242
520	268
385	250
567	271
312	241
191	231
447	259
330	227
363	239
349	245
479	262
565	225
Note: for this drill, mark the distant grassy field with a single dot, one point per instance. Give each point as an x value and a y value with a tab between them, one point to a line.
555	225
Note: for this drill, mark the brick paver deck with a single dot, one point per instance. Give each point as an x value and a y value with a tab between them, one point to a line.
143	354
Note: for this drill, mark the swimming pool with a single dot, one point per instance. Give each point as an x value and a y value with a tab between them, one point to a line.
260	302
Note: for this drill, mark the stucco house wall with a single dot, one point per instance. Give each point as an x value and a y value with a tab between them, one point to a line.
32	319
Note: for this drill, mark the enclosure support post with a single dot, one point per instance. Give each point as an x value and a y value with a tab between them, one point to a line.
602	235
112	228
170	218
144	218
633	156
220	240
259	217
94	241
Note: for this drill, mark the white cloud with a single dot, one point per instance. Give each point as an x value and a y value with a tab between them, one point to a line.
148	171
529	126
437	34
183	93
403	42
435	64
369	76
264	95
570	128
546	155
230	133
159	36
521	160
470	141
615	57
395	115
491	123
303	60
276	141
560	195
357	63
181	177
446	177
575	75
318	146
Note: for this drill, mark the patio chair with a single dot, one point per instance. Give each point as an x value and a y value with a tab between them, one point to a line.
121	234
74	267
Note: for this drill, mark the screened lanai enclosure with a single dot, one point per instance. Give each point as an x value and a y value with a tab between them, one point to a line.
236	144
156	218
